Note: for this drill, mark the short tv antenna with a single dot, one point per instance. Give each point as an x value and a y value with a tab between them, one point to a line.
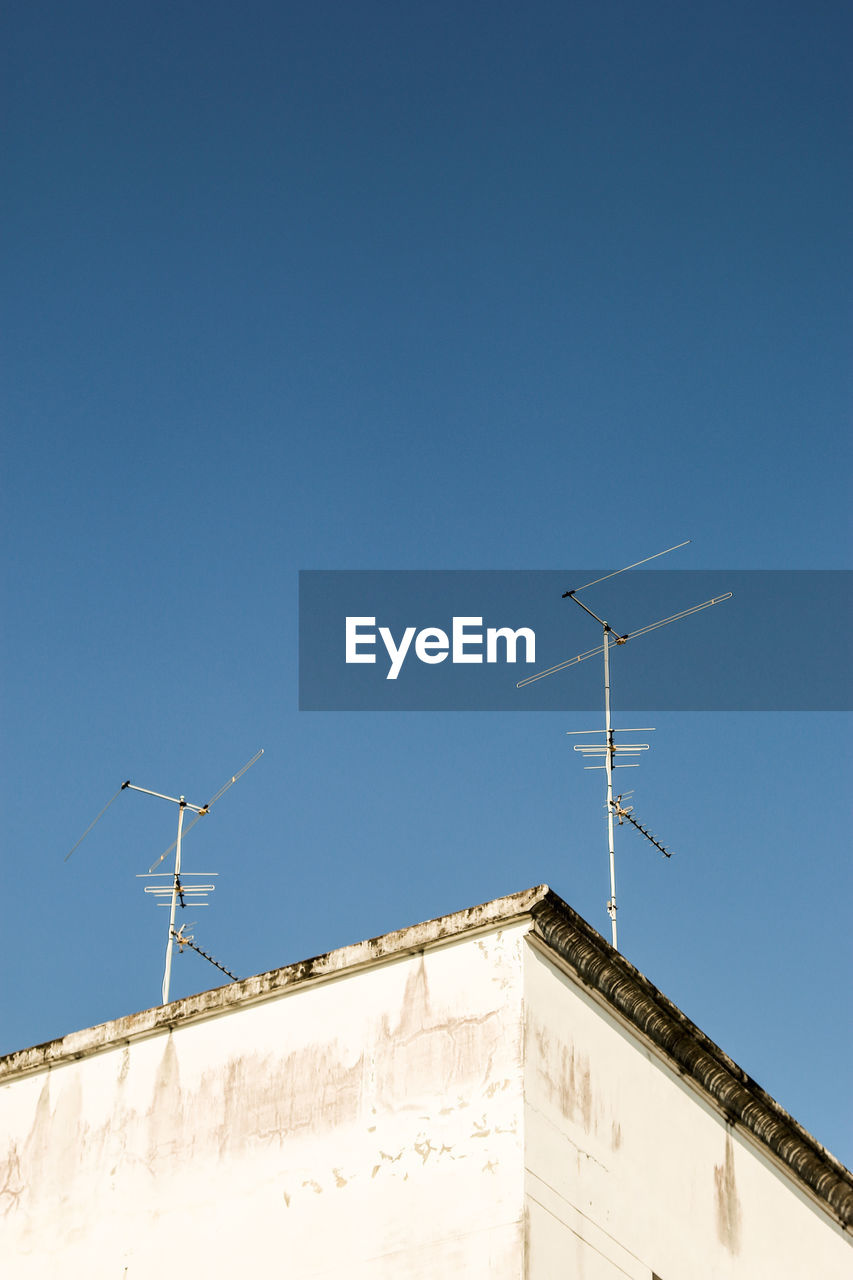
612	752
185	888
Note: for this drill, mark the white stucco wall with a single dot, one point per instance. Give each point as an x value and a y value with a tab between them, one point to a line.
630	1172
448	1101
363	1126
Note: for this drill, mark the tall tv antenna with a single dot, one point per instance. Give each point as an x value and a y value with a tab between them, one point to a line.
611	751
178	887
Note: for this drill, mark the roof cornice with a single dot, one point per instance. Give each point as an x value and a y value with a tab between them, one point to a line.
500	912
606	974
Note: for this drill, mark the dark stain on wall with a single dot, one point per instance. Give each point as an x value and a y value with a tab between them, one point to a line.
728	1203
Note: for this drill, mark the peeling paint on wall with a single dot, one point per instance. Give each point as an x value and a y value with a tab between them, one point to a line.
377	1087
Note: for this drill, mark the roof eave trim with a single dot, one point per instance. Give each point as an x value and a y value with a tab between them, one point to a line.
603	971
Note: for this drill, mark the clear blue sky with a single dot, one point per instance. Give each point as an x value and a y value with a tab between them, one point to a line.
379	285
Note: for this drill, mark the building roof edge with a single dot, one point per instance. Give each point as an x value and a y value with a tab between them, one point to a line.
264	986
606	973
582	951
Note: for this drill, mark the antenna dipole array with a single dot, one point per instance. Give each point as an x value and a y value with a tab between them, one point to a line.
188	940
624	814
609	749
178	889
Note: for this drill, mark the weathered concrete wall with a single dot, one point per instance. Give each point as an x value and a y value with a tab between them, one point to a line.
630	1172
368	1125
494	1094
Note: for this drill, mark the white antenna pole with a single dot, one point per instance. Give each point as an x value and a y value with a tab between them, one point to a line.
609	746
608	764
610	749
185	893
169	941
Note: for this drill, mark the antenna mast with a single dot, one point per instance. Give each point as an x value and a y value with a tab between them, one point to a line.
178	890
608	764
177	887
611	749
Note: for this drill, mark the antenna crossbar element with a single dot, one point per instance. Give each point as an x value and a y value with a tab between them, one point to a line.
158	795
561	666
617	750
616	765
676	617
573	732
205	809
165	890
631	635
189	893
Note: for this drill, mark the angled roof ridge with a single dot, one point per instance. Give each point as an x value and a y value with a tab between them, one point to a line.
268	985
619	985
604	972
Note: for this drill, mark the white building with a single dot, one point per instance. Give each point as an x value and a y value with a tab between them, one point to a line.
494	1094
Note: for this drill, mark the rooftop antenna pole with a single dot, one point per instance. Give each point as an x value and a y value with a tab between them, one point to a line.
177	887
610	749
609	753
185	893
608	764
167	974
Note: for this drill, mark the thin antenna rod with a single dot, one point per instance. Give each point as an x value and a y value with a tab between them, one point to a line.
236	777
205	809
91	824
649	728
632	635
561	666
635	565
676	617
